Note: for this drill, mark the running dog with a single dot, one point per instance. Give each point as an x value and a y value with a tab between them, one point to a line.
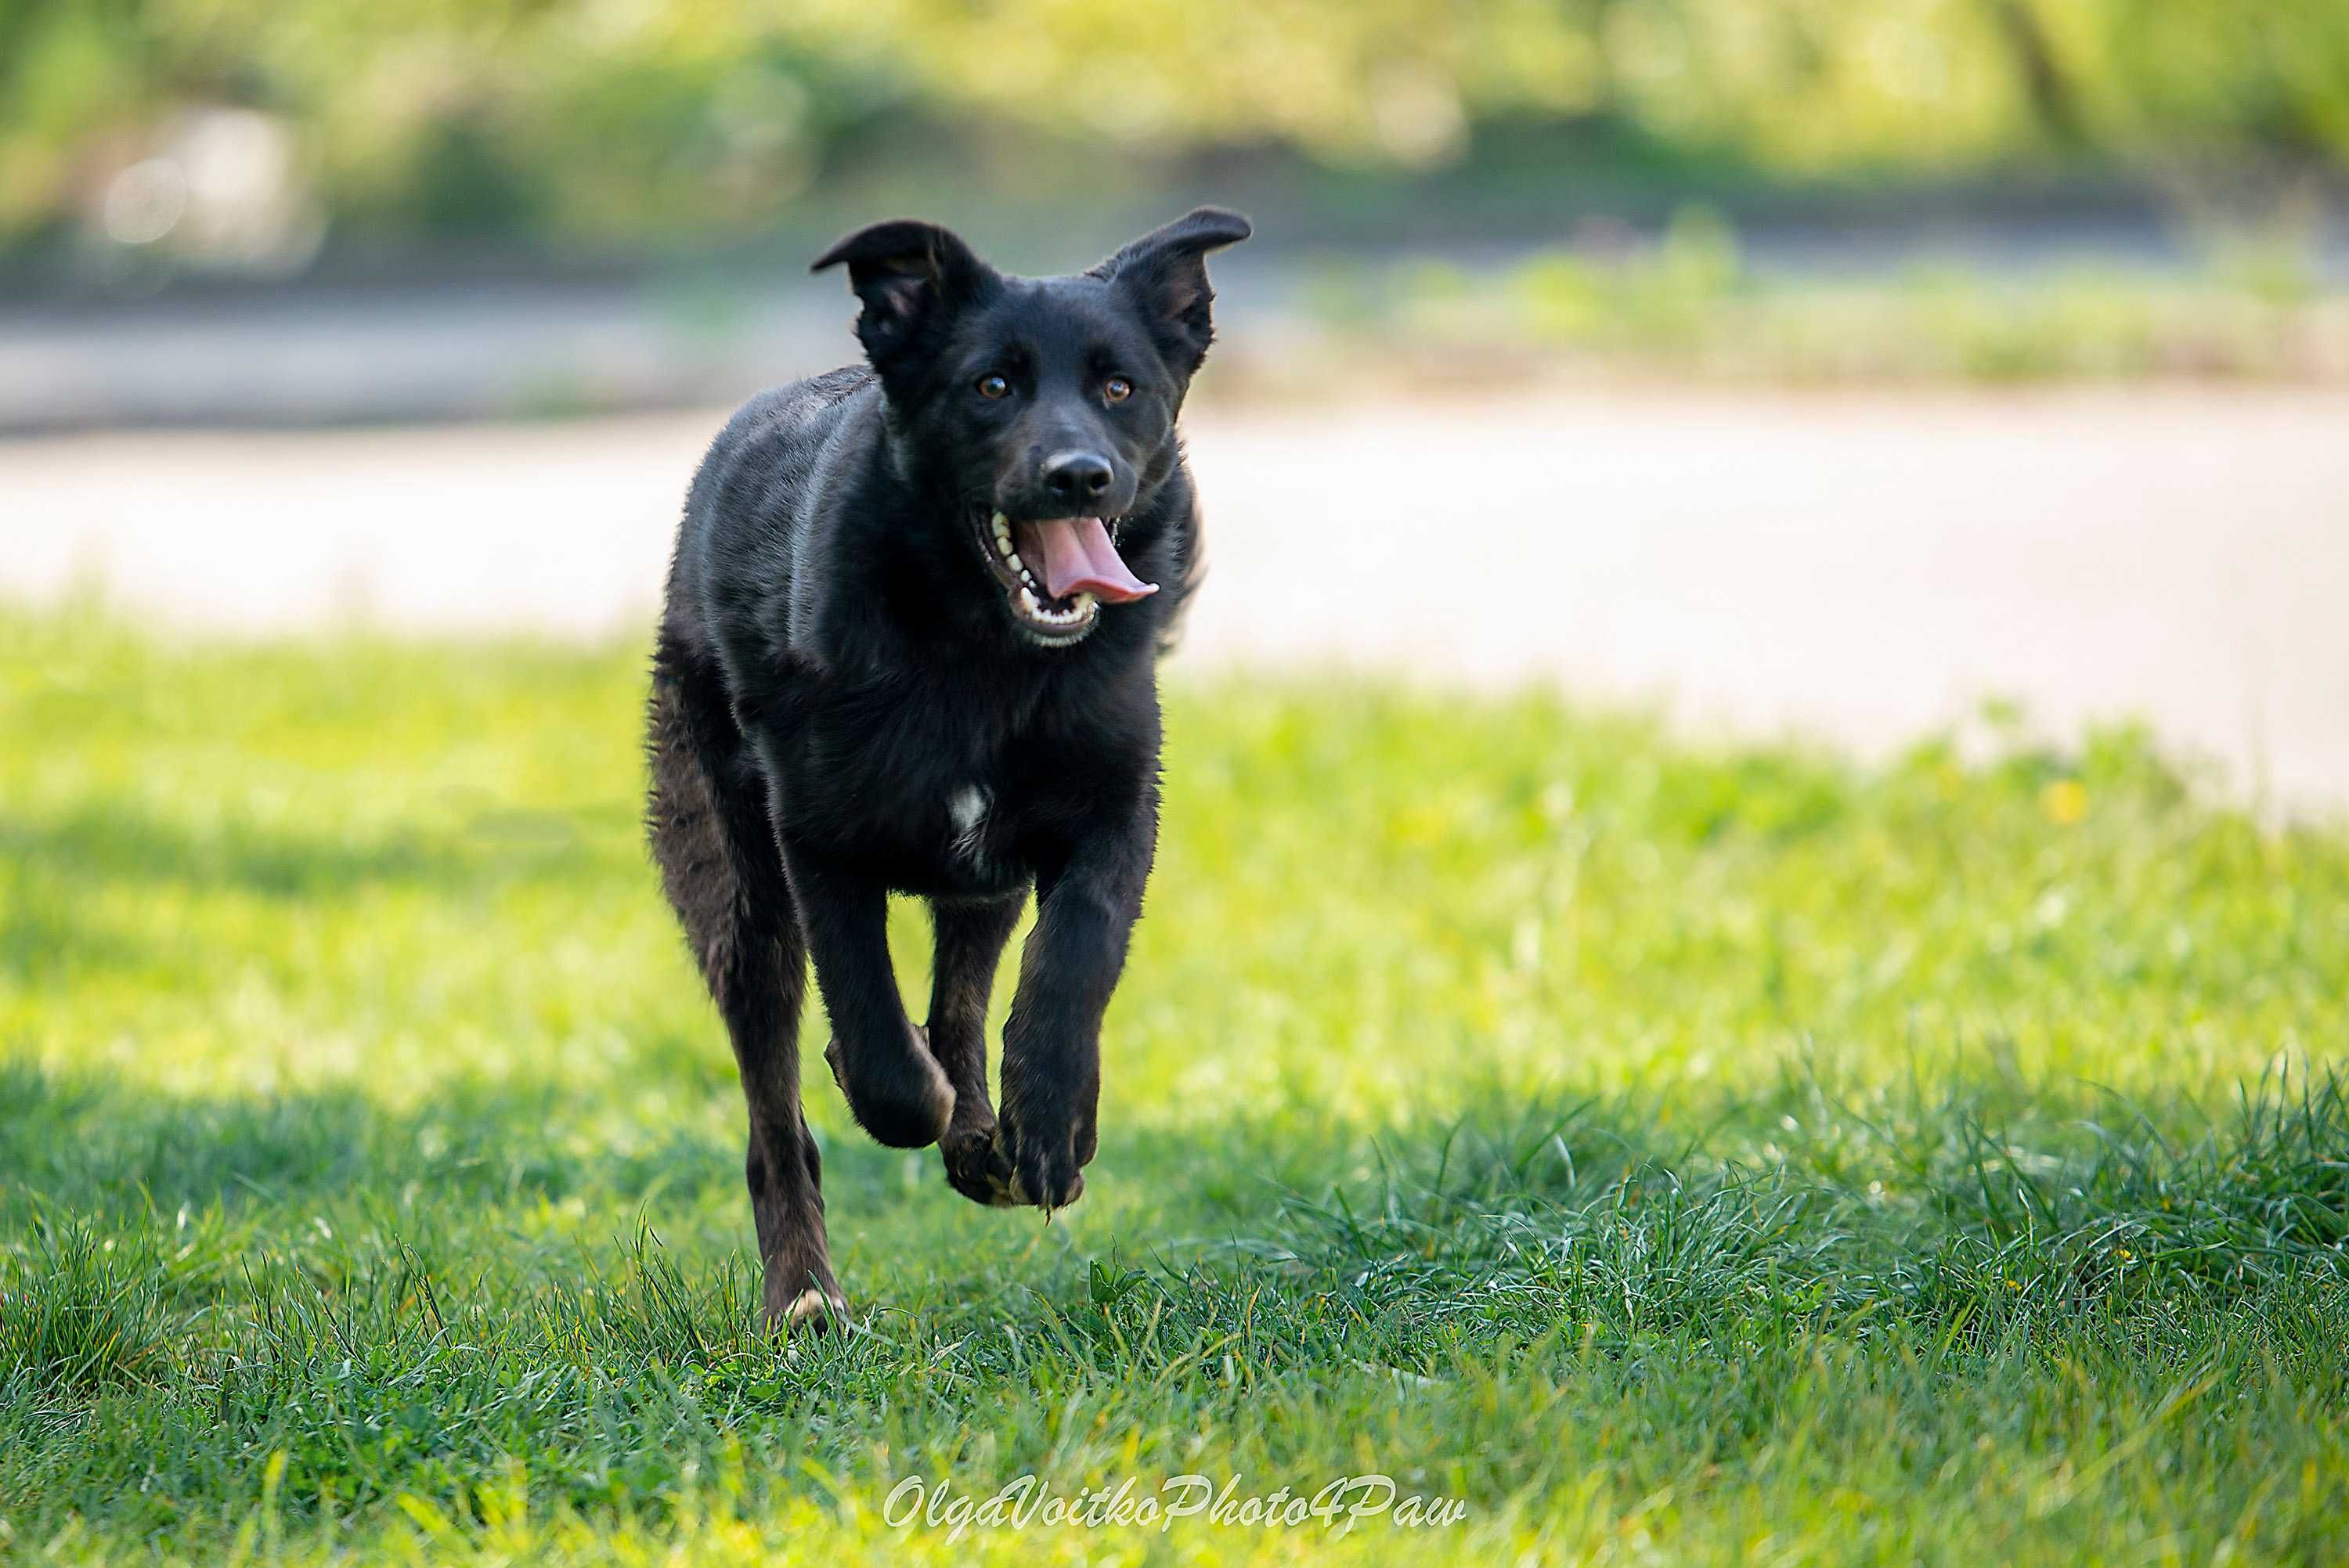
910	645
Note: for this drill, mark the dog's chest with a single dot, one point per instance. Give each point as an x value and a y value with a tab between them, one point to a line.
973	836
958	787
935	805
967	814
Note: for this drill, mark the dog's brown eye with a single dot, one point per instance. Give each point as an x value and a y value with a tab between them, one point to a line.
1117	388
994	386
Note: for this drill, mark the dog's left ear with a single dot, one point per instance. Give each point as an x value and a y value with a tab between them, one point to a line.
911	276
1166	270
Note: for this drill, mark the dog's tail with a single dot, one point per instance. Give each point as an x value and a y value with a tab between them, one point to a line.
1192	573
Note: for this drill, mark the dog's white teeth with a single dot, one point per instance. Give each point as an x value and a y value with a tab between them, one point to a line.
1084	602
1028	603
1003	546
1002	526
1011	559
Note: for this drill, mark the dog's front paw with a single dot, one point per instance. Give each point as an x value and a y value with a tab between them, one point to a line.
976	1164
1044	1167
902	1097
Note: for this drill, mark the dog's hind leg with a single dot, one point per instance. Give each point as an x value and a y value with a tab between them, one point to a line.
708	822
971	935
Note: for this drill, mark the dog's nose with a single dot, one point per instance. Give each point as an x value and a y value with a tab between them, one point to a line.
1077	476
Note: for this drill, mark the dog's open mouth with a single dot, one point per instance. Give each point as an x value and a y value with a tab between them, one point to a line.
1056	572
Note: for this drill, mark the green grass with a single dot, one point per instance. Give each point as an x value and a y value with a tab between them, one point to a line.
1688	307
1676	1154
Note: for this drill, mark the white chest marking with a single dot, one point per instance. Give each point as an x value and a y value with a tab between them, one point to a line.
968	809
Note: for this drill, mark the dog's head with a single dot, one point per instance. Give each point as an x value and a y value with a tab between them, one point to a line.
1045	406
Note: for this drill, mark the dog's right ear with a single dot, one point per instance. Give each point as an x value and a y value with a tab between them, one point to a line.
911	276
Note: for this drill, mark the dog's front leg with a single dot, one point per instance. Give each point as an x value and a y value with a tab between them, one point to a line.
1051	1049
970	938
894	1088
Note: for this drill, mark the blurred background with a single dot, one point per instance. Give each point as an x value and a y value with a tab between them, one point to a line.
1833	366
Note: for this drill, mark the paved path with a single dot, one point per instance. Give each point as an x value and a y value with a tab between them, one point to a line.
1860	568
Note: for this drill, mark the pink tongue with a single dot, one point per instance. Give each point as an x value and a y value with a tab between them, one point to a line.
1075	556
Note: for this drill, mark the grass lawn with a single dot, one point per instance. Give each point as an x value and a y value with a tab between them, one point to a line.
1691	308
1673	1154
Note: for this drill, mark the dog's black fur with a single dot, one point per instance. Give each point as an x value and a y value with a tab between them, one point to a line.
841	664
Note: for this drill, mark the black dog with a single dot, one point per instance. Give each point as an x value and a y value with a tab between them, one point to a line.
910	646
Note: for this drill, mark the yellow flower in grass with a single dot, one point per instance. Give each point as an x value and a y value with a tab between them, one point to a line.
2065	802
